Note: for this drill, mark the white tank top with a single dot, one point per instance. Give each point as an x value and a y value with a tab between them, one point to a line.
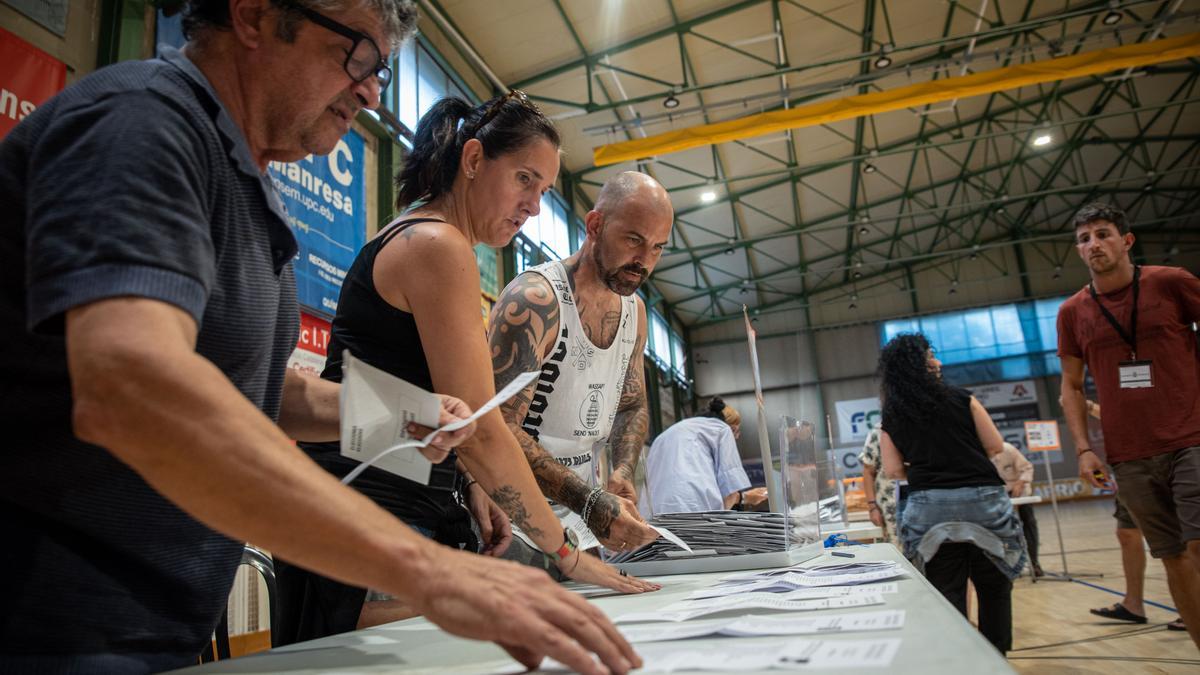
576	397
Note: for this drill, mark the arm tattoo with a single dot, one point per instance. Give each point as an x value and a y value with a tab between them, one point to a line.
632	421
604	512
524	324
509	500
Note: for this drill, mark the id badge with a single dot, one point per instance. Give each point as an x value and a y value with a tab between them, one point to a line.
1135	374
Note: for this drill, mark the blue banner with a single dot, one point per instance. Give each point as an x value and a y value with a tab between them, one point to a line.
326	203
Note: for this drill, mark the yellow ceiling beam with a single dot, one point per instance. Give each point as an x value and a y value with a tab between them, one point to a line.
911	96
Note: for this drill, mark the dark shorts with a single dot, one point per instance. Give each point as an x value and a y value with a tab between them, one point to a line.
1124	520
1162	494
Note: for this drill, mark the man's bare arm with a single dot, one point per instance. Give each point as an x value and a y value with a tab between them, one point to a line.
153	402
1074	402
309	411
632	421
522	330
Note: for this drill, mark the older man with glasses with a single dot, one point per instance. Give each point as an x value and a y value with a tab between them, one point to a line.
150	308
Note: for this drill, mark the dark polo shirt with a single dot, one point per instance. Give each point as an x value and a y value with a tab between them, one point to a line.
132	182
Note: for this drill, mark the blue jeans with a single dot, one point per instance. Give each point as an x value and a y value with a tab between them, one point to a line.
982	516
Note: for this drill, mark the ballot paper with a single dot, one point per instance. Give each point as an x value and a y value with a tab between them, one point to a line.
376	408
691	609
671	537
808	567
797	593
794	580
751	626
733	656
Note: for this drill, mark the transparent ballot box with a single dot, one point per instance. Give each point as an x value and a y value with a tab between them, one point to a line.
784	534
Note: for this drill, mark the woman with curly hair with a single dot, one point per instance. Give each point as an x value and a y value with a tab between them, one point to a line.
958	522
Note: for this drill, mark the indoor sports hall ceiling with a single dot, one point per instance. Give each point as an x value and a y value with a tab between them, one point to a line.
948	204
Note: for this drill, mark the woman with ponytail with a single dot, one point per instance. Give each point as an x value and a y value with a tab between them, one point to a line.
410	306
694	466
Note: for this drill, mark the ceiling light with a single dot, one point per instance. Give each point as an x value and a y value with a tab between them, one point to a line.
853	305
854	296
864	230
729	251
670	102
707	197
868	167
883	60
1112	18
1057	271
1042	139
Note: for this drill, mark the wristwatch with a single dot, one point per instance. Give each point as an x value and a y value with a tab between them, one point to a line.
570	543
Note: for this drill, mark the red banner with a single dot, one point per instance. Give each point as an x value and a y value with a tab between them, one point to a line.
28	77
309	357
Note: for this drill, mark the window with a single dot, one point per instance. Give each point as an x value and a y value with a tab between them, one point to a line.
678	356
1026	331
405	86
549	229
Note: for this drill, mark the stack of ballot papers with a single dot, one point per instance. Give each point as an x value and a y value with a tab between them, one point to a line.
710	533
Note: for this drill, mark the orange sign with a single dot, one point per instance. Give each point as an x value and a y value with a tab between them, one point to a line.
28	78
1042	435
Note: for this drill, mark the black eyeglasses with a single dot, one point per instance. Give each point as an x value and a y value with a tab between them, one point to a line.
364	58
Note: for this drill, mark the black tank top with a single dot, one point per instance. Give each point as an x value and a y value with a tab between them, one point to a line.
387	338
946	451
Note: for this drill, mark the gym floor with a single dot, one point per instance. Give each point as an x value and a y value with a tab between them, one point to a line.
1052	629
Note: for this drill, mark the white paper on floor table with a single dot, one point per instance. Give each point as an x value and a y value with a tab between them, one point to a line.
756	626
790	654
690	609
797	593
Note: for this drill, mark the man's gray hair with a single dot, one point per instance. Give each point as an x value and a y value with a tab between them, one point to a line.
399	17
1097	211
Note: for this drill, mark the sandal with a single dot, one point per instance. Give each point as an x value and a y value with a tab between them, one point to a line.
1118	613
1177	624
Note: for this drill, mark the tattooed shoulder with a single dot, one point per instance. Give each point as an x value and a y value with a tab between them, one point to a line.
523	321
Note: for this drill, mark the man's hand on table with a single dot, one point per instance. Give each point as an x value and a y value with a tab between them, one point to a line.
524	611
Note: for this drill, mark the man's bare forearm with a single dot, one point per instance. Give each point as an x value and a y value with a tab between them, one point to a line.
1075	410
154	403
632	421
309	411
562	485
628	435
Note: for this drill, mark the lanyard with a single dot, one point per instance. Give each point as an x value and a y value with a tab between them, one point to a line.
1130	337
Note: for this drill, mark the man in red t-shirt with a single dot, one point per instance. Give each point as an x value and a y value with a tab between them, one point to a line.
1132	326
